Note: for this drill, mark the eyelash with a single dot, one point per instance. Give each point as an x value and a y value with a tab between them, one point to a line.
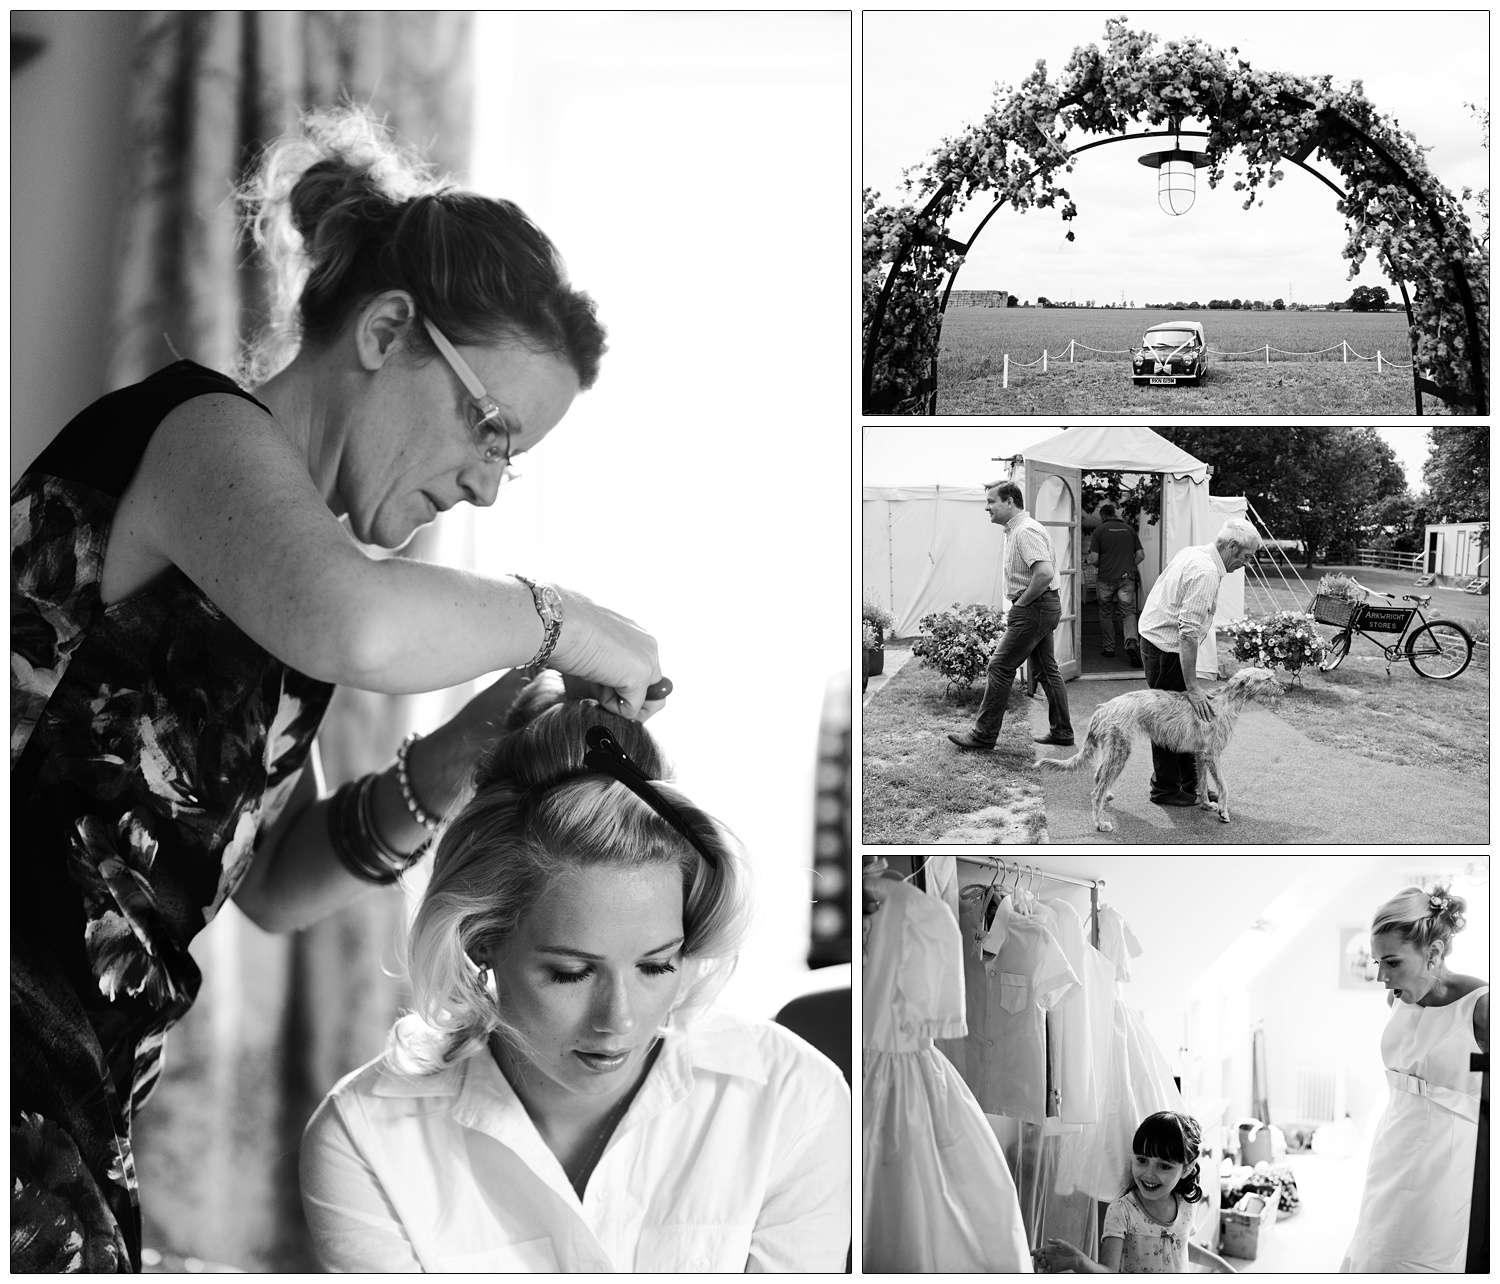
650	969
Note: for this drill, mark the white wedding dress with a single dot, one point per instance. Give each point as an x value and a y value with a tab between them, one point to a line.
938	1194
1415	1214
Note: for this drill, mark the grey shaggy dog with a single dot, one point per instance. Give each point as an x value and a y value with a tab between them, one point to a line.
1168	719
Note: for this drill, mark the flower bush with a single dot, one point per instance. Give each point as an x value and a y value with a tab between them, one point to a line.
873	611
958	642
1282	640
1395	206
869	639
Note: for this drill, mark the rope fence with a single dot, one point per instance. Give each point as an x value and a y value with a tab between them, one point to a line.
1262	353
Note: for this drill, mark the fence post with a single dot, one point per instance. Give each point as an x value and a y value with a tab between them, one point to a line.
1005	372
1268	354
1345	342
1071	342
1044	360
1379	369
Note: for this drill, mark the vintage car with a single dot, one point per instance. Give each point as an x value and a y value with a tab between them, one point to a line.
1171	352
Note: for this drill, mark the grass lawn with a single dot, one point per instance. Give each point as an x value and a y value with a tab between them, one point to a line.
919	788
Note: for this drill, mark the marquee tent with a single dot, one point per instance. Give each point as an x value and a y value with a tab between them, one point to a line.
926	547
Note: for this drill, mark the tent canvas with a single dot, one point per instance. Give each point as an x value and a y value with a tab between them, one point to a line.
923	548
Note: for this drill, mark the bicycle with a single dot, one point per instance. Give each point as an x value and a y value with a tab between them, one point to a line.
1438	649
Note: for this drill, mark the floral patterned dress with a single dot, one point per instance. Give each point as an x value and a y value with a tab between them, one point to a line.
151	742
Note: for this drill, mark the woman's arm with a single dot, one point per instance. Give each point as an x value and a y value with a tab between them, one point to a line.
223	495
1482	1023
1058	1256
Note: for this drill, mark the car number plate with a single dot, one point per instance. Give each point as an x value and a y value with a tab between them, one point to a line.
1163	379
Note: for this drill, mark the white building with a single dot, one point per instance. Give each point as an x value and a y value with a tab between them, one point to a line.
1457	551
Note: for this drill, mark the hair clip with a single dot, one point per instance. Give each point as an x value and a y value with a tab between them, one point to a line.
607	758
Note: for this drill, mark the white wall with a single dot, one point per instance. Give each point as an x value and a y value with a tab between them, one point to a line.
69	136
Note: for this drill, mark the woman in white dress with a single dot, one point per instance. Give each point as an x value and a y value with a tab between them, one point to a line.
1415	1212
560	1100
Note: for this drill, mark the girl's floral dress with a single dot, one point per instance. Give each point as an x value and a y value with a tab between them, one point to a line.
151	741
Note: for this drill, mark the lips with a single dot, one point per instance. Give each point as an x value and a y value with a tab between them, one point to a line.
604	1061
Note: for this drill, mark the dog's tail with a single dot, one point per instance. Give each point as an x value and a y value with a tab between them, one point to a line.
1079	760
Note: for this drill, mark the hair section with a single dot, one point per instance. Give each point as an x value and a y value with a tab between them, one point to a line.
1177	1139
1422	919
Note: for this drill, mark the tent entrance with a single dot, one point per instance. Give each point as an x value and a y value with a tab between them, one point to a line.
1053	498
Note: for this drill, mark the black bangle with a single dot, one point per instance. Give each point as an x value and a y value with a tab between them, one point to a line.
355	840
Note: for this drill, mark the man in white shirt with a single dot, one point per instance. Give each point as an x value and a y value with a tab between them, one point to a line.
1178	615
1035	608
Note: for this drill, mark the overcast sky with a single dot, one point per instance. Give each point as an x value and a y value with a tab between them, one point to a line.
928	75
898	455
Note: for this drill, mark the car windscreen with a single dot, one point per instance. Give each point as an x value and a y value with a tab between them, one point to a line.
1170	338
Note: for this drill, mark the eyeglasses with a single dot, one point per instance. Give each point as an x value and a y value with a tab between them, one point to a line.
486	419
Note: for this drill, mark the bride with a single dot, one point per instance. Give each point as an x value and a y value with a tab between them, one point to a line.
1415	1212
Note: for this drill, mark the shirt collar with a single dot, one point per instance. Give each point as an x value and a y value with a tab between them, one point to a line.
1010	526
1213	552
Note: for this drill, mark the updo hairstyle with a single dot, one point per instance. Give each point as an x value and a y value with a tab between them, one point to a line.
342	213
1178	1139
1423	919
537	814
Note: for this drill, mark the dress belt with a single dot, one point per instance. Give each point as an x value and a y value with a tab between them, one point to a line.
1460	1103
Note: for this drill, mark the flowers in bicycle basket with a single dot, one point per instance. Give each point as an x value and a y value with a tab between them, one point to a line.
1342	586
1282	640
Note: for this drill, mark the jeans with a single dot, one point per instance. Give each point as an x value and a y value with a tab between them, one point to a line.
1174	772
1028	634
1116	599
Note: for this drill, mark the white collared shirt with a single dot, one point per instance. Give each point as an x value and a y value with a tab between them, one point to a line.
1027	544
733	1156
1181	602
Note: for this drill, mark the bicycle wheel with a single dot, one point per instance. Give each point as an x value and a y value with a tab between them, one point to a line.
1337	650
1440	649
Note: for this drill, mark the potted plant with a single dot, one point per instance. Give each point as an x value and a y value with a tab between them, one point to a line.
877	621
868	643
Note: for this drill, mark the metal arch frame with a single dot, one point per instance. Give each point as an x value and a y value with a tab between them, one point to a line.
1329	119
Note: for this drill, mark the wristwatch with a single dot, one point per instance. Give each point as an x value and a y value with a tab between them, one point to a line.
549	608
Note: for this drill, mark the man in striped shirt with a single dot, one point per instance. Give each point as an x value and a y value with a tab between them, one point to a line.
1178	615
1032	586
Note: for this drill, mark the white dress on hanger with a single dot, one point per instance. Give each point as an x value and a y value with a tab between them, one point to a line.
938	1195
1415	1212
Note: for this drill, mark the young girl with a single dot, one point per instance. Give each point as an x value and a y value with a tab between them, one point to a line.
1146	1229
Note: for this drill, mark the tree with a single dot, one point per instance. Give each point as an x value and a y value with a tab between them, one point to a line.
1310	484
1368	298
1011	300
1278	305
1042	301
1457	474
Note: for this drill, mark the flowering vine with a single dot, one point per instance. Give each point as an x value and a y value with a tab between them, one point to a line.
1395	206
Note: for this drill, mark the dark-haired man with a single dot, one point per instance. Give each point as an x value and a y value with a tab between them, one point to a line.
1032	586
1116	550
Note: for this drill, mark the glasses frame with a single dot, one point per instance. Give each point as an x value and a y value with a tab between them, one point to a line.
490	424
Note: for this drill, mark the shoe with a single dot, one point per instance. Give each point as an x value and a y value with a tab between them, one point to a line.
967	740
1050	739
1135	656
1176	800
1108	655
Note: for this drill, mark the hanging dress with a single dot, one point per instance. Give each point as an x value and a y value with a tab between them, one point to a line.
1415	1212
938	1195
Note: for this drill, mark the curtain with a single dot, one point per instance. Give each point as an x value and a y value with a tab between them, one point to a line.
278	1019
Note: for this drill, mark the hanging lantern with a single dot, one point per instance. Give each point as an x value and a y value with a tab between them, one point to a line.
1176	176
1176	181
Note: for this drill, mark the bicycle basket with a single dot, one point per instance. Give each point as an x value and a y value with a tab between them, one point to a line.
1385	619
1338	611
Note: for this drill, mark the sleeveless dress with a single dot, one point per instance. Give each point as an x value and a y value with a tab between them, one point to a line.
938	1194
151	742
1415	1212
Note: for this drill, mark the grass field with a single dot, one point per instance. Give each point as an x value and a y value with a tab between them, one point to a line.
1098	382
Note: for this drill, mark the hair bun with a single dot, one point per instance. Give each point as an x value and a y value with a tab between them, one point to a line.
1444	905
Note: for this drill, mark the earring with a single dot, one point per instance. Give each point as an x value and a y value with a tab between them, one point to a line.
483	978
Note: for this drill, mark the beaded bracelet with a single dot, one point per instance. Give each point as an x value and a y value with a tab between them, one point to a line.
357	842
419	813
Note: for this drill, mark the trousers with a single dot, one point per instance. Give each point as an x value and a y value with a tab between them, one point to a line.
1028	635
1116	602
1172	772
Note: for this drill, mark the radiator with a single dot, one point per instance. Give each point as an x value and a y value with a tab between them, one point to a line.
1320	1094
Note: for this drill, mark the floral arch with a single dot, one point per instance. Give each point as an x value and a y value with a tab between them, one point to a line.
1392	202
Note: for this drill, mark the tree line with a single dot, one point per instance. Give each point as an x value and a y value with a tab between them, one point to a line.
1331	489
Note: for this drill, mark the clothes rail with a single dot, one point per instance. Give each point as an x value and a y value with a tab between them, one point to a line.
1012	866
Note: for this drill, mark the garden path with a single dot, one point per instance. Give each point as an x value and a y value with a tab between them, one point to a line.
1285	788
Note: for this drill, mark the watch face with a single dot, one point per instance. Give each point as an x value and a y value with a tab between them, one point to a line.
551	601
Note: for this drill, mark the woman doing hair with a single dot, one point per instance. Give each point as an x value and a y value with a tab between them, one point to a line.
537	813
1422	919
342	213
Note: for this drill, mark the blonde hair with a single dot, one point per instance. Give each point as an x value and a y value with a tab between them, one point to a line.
1422	918
536	815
